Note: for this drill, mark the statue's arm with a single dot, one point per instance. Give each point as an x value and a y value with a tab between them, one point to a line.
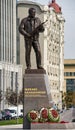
41	27
22	30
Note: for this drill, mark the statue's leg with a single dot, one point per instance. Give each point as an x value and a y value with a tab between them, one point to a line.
28	46
36	47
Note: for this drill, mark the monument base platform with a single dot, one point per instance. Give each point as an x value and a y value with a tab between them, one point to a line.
52	126
36	92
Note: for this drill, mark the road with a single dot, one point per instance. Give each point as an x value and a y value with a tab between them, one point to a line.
68	115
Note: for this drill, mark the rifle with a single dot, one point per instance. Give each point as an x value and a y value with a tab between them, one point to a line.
33	32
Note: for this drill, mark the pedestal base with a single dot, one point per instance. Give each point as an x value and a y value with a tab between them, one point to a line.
52	126
36	93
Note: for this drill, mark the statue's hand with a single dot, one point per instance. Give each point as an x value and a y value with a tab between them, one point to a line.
28	35
36	32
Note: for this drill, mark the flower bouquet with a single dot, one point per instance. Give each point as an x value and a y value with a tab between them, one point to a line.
44	115
32	116
53	115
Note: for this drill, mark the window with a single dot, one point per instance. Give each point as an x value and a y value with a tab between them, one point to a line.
69	73
16	81
0	79
11	80
18	42
21	110
70	84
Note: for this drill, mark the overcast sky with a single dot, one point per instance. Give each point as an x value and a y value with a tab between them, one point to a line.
68	10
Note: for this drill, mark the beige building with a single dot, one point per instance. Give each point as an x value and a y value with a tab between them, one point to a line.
51	42
69	76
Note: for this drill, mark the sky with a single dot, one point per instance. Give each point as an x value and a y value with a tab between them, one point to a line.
68	11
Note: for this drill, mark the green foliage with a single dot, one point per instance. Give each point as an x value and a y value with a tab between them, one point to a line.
67	99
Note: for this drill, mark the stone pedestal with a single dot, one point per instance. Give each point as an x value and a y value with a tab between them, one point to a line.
52	126
36	93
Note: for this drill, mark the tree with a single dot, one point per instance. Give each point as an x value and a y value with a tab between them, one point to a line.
0	97
21	97
11	96
67	99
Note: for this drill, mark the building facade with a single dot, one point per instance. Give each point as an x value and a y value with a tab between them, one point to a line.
51	43
8	31
9	70
69	77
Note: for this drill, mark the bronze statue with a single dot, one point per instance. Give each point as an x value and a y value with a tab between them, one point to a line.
30	27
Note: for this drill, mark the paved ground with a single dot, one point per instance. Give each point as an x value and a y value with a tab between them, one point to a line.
11	127
52	127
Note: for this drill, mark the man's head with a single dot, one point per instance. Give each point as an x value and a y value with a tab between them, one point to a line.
32	12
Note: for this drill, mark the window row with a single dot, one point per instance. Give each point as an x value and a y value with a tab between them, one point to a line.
69	73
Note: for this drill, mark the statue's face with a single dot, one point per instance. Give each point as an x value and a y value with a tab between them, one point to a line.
53	1
32	13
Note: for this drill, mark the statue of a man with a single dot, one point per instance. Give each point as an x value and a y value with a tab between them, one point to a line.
26	28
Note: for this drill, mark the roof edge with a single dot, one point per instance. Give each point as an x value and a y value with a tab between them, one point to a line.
22	2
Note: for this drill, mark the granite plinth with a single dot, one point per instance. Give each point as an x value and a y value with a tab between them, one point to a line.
35	71
36	93
53	126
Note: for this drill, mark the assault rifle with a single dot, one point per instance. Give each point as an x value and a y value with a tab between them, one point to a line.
34	31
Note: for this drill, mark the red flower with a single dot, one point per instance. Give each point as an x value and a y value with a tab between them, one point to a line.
54	113
33	115
64	122
44	113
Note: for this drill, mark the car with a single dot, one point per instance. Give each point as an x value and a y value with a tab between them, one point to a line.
21	113
12	113
0	116
6	116
17	109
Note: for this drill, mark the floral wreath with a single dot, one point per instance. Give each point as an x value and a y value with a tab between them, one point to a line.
32	116
53	115
44	115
